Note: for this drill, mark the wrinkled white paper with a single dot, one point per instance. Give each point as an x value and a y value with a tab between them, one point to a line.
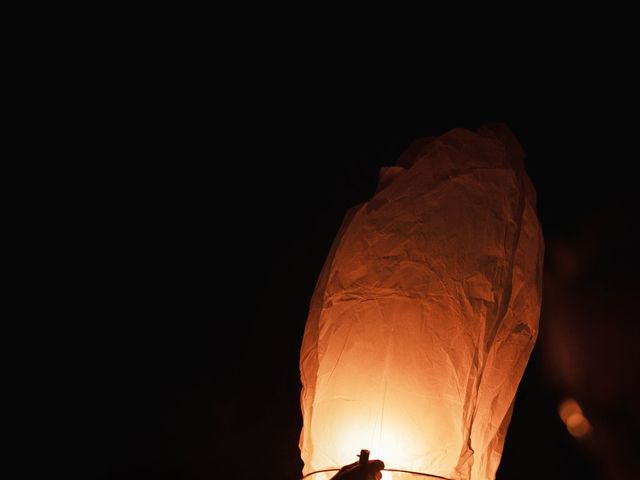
426	312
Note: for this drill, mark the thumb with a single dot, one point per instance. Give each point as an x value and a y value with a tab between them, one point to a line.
375	466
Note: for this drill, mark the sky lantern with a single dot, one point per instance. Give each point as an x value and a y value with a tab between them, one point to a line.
425	314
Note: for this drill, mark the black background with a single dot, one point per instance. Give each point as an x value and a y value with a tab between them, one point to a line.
205	216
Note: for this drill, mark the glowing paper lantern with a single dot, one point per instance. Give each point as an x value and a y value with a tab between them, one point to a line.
425	313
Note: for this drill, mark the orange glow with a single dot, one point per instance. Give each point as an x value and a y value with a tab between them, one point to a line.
567	408
572	416
425	314
578	425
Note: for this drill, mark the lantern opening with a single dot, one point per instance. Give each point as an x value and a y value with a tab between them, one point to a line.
387	473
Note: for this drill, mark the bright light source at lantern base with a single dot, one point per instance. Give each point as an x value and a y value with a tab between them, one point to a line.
394	445
386	475
399	476
387	449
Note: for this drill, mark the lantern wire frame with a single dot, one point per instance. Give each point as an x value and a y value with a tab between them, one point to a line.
426	475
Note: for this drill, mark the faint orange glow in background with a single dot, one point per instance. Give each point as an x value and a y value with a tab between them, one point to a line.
573	418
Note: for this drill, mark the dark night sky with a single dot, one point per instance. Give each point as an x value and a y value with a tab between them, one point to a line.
206	235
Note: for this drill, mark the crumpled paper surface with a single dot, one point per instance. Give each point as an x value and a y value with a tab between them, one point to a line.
426	312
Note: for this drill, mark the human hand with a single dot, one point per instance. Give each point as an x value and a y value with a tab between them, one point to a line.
355	471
